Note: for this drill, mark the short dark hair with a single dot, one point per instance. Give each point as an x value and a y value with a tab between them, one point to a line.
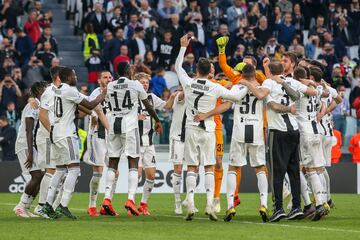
299	73
65	73
123	69
54	71
316	73
253	59
292	56
101	72
318	64
276	68
203	66
37	87
248	72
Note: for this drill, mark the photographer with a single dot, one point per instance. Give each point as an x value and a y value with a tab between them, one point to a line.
9	92
33	72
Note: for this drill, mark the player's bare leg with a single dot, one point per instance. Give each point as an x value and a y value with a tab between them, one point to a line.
261	175
30	192
176	182
94	189
132	186
148	186
218	173
44	188
109	186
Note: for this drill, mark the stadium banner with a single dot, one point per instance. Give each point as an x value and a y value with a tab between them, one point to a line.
343	176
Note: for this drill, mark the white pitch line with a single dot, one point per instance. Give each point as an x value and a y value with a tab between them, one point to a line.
243	222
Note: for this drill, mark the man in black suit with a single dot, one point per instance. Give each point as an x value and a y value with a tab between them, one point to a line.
98	19
7	139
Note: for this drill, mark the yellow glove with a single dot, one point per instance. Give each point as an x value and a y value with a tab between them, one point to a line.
239	67
221	43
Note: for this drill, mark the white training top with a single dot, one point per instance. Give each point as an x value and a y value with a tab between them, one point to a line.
146	129
326	127
47	103
177	128
65	104
123	96
248	117
281	121
21	140
98	129
200	95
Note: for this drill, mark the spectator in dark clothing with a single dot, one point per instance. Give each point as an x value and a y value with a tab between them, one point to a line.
153	36
167	10
150	61
9	92
176	29
137	44
129	29
12	115
112	49
213	17
166	52
118	20
158	83
7	67
95	64
222	31
298	20
198	44
9	51
17	76
189	64
33	72
262	32
339	46
98	19
329	58
23	45
48	37
319	29
46	56
286	31
7	139
251	43
343	32
9	12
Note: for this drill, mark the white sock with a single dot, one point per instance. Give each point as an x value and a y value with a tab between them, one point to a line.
132	183
69	185
323	185
94	188
209	187
148	187
44	187
110	179
304	189
59	192
327	179
230	188
25	199
113	187
263	188
316	187
54	183
190	187
176	182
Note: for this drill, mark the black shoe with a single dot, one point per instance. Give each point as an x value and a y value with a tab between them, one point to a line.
278	214
309	211
295	213
60	210
319	213
48	210
331	203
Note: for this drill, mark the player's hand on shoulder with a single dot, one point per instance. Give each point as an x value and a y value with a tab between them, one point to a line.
29	161
158	128
277	79
142	117
33	103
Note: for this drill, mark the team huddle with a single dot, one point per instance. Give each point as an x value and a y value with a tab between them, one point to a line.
282	126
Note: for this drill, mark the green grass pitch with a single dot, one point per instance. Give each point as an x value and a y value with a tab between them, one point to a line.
342	223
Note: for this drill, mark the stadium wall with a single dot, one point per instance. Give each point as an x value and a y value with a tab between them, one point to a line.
345	178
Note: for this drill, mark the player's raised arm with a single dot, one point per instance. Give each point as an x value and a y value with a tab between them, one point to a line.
182	75
170	102
228	71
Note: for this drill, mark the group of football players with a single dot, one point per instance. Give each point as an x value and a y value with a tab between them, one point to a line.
282	125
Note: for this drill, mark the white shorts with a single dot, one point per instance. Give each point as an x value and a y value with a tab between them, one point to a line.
177	149
327	146
44	153
147	157
96	152
311	151
22	156
66	151
128	143
200	147
239	152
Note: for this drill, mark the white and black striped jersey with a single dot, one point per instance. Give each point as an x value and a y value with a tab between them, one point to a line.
177	128
98	129
248	117
66	99
123	96
281	121
307	108
326	127
46	102
146	127
21	140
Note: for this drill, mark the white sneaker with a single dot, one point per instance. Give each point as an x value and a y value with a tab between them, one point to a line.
31	214
39	212
185	204
21	212
217	207
209	211
178	208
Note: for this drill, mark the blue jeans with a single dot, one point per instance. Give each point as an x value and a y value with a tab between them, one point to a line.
340	123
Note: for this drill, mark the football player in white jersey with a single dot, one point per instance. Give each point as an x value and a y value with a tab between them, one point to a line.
43	139
26	152
281	93
124	95
146	131
96	153
200	96
63	134
247	138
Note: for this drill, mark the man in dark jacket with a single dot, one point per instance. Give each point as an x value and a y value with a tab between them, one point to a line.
7	140
98	19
